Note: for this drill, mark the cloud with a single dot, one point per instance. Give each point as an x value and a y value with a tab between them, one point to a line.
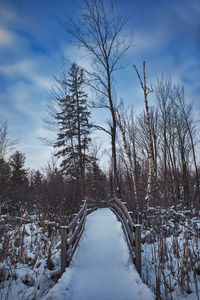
73	53
7	14
23	96
185	20
22	67
188	12
36	154
26	72
33	69
7	38
150	40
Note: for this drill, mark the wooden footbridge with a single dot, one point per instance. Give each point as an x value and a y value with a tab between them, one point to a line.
97	255
71	234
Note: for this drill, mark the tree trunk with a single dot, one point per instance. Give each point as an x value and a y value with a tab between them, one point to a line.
151	166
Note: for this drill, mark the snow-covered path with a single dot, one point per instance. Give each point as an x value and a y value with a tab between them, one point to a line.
101	268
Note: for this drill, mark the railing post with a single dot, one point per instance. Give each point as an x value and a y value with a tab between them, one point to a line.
138	248
64	258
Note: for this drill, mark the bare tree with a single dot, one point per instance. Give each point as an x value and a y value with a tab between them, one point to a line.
126	125
177	140
185	111
99	30
51	166
6	143
151	171
162	92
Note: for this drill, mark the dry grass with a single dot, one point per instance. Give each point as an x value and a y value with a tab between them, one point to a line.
27	242
171	257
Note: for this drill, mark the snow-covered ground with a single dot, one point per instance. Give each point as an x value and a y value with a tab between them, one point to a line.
101	268
26	273
171	253
30	258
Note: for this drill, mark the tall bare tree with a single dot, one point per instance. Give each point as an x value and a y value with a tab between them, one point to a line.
151	171
162	93
177	140
99	30
185	110
126	125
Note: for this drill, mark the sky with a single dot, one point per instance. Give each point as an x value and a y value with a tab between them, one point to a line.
34	46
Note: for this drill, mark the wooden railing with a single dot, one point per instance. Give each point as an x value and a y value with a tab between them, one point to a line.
132	231
71	234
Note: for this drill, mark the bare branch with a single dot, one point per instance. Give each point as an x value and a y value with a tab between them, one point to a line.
6	143
100	128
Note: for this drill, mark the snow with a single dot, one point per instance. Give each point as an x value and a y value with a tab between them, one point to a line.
171	252
101	267
23	259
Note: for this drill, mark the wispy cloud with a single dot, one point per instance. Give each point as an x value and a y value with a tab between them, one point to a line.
150	40
27	78
7	38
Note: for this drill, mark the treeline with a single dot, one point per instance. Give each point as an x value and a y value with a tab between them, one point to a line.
48	191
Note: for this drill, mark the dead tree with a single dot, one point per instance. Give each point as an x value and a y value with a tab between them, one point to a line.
151	165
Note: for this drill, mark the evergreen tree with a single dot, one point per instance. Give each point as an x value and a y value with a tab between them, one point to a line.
96	180
72	119
37	178
5	174
18	172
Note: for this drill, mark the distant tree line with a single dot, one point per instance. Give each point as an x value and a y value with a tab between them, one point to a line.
47	191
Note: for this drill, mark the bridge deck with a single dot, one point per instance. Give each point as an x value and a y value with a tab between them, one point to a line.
101	268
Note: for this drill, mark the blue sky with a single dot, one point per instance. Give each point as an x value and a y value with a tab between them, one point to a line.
33	45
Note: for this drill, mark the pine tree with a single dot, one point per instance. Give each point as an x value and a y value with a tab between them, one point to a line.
18	172
73	122
96	179
37	179
5	174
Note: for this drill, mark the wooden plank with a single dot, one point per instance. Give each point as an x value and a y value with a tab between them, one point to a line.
64	258
138	248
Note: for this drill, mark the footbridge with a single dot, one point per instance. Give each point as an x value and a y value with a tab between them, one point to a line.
101	255
71	234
